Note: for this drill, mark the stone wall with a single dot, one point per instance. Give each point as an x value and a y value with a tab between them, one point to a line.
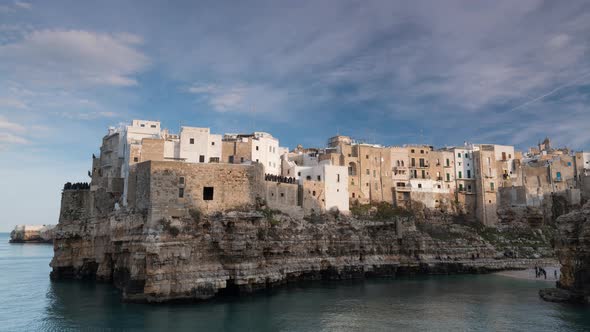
282	196
176	187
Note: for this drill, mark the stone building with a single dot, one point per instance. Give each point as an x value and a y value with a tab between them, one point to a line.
369	168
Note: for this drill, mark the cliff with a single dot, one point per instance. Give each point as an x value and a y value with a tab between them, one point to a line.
199	256
32	234
572	247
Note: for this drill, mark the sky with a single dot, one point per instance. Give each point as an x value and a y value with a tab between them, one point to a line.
389	72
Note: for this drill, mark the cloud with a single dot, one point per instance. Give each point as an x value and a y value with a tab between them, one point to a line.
23	5
12	103
11	133
6	125
72	58
241	98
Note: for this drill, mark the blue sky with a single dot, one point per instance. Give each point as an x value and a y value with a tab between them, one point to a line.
436	72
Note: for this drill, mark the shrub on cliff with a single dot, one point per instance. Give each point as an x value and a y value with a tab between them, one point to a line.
168	227
196	214
379	211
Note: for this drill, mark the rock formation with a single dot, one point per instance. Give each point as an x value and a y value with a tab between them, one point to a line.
572	247
199	256
32	234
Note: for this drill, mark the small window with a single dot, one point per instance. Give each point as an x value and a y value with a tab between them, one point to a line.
142	125
298	173
191	141
337	177
368	172
367	156
212	143
308	178
181	180
282	194
319	178
257	148
353	195
419	185
412	151
153	126
201	159
135	159
459	155
422	151
313	193
241	159
207	193
180	192
231	159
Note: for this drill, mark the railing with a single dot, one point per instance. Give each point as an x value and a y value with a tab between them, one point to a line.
279	179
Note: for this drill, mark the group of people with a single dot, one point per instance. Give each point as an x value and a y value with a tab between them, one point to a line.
541	272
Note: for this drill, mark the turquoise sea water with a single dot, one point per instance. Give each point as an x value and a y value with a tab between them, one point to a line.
30	302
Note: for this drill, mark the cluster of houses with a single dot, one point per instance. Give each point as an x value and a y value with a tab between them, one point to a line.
473	179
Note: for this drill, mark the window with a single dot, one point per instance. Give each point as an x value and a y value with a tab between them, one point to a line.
208	193
201	159
423	174
469	187
448	162
191	141
214	159
460	186
438	186
448	177
460	175
367	157
352	169
374	173
368	171
422	151
256	160
419	185
257	148
492	186
337	177
319	178
142	125
241	159
413	163
212	143
135	159
308	177
298	173
181	180
230	159
313	193
353	195
469	174
459	155
282	194
412	151
180	192
153	126
270	149
422	164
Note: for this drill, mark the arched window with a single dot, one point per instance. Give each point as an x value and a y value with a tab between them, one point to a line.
352	169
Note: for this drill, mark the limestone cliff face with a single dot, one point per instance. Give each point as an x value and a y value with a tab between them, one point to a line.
572	246
198	257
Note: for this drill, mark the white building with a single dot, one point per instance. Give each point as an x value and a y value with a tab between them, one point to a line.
198	145
334	178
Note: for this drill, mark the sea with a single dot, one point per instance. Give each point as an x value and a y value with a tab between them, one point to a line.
29	301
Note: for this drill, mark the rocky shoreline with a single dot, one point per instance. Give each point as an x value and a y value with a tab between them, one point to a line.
32	234
199	257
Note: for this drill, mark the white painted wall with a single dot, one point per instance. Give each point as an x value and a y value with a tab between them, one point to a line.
266	150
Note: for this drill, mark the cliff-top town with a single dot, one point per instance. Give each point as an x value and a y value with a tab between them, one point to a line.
149	167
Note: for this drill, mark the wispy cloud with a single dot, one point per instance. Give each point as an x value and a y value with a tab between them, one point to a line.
242	98
70	58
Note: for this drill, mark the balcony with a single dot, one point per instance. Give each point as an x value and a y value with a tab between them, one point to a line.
439	178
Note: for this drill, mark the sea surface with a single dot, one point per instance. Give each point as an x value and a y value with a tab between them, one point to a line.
30	302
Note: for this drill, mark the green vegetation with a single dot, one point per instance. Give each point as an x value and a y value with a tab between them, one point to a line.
168	227
270	214
382	211
196	214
